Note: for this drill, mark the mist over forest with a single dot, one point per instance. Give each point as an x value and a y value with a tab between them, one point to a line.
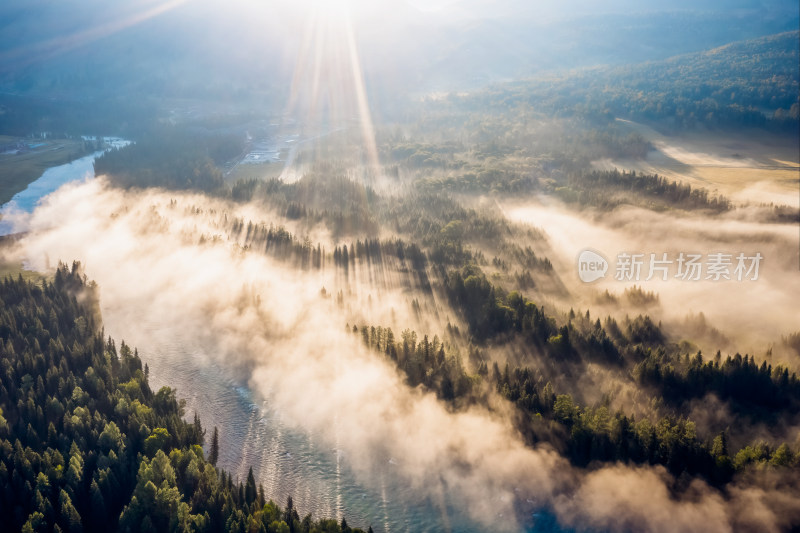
399	266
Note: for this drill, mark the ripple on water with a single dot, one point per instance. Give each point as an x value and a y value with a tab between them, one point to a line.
285	459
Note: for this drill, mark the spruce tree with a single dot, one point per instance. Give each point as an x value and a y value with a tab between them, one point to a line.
213	453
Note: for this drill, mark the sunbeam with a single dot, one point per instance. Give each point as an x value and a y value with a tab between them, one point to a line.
328	88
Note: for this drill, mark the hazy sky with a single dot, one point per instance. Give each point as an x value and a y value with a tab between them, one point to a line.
94	46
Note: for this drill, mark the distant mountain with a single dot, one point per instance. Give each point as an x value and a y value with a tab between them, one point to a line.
88	50
748	83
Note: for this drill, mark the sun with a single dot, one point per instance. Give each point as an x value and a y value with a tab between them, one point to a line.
333	8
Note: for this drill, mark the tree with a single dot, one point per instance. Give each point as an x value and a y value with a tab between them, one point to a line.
69	515
720	446
783	456
35	523
213	453
156	496
288	515
156	441
250	490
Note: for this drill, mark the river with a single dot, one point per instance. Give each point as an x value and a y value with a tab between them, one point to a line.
285	459
13	213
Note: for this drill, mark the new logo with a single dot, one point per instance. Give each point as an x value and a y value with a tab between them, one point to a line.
591	266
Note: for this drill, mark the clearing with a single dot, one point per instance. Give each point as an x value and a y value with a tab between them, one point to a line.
753	167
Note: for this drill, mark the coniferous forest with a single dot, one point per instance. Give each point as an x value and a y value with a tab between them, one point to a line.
410	267
86	445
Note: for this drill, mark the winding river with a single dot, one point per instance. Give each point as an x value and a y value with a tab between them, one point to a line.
12	214
286	460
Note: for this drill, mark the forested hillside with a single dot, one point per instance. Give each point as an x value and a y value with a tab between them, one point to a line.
444	254
745	84
594	433
171	158
86	445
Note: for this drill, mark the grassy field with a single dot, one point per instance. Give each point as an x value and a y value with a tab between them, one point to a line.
14	268
18	170
754	167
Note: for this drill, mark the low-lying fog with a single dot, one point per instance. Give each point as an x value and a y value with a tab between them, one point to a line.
753	314
271	322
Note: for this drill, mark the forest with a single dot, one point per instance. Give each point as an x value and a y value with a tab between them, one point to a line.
746	84
381	319
448	261
172	158
87	445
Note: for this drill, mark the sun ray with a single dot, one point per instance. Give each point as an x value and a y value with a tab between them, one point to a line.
365	117
328	88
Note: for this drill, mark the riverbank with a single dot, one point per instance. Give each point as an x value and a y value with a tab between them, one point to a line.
23	160
13	212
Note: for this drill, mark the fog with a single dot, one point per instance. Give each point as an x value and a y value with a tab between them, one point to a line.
269	321
746	169
751	314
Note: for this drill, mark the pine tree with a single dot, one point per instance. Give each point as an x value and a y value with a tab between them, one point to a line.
250	491
290	513
213	453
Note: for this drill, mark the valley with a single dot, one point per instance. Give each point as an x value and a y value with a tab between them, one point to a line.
358	267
